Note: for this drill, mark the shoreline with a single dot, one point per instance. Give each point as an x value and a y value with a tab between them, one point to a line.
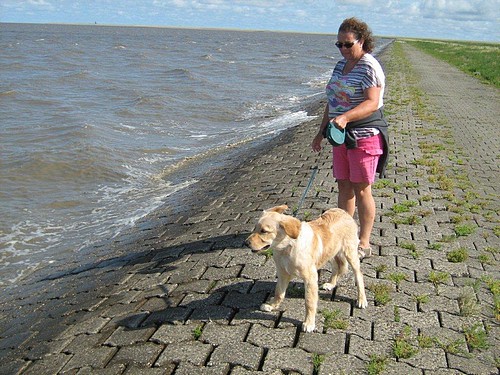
205	168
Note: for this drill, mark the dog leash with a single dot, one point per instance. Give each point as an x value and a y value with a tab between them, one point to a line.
315	170
311	179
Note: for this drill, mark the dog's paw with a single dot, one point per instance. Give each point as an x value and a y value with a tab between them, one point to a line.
308	327
327	286
266	307
362	303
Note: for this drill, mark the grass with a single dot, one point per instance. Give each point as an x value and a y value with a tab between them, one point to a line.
467	303
317	360
334	320
485	259
403	207
397	277
494	287
476	337
412	248
197	332
397	314
381	292
435	246
458	255
402	346
381	268
421	298
464	230
425	342
451	347
479	60
408	246
496	231
409	220
376	365
268	253
437	277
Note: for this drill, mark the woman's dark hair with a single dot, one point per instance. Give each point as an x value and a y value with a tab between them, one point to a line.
361	30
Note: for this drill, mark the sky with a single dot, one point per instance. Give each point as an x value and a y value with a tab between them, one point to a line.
436	19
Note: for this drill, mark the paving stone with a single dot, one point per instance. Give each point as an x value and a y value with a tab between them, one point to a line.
293	313
238	370
455	322
218	273
218	334
193	352
186	368
454	269
167	369
85	342
272	338
124	337
169	333
51	364
387	331
476	364
44	348
341	364
267	319
428	359
289	360
239	285
196	286
419	319
266	271
155	304
364	349
443	372
117	369
92	325
440	303
219	314
128	320
141	354
237	300
93	357
398	368
237	353
174	315
334	342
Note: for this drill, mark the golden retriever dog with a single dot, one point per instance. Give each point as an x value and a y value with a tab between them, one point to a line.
300	249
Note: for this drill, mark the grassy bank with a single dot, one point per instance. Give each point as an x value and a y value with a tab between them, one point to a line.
475	58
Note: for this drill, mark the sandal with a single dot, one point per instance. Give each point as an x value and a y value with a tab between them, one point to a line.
364	253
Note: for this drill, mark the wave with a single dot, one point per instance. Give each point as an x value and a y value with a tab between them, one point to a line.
179	73
8	93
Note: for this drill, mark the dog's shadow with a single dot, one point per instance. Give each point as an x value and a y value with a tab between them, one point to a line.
231	300
207	280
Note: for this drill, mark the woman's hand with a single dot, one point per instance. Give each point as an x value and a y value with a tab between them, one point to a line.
341	121
316	143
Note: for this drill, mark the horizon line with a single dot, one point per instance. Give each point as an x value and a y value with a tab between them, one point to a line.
236	29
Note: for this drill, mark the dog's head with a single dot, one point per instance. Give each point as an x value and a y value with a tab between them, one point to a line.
274	229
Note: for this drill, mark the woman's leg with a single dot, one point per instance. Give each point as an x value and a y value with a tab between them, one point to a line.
346	198
366	212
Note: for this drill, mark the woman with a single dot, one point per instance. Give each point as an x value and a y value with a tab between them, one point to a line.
355	99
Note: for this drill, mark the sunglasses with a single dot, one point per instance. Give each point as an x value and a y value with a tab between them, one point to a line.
345	44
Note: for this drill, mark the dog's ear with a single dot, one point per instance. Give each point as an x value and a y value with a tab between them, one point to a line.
278	209
291	226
